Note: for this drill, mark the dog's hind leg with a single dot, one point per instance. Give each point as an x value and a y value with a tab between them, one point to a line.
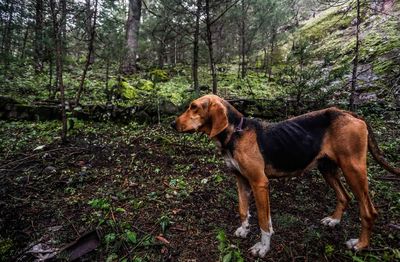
330	172
355	173
351	156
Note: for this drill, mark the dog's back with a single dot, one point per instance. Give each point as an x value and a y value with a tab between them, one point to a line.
293	144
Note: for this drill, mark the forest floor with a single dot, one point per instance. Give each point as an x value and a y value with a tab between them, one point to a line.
156	195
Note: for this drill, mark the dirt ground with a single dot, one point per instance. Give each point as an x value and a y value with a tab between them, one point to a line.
155	195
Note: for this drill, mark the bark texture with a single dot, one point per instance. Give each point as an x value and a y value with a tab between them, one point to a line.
132	37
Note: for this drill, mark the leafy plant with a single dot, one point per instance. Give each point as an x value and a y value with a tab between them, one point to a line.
228	252
100	203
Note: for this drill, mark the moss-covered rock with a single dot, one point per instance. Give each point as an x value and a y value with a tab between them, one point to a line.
159	75
330	38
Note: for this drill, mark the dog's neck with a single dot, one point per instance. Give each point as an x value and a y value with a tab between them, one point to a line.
236	122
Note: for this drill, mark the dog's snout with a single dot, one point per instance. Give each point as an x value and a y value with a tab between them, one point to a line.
173	124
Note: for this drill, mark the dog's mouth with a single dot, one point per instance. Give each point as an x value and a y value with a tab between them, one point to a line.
182	128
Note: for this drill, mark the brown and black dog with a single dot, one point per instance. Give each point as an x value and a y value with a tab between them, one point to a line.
256	151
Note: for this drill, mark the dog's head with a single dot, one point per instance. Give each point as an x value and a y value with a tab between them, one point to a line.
207	114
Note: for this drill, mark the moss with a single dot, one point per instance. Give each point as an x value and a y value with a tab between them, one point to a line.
331	39
159	75
383	67
327	24
127	91
146	85
382	40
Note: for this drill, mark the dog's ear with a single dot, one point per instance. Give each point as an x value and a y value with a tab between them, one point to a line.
218	117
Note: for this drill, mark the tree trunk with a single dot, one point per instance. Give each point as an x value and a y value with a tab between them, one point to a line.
63	24
243	41
88	25
7	37
108	92
271	54
132	37
265	59
38	52
161	53
22	56
355	61
210	49
195	65
89	54
57	34
51	91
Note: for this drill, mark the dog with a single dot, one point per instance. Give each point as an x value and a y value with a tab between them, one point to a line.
330	139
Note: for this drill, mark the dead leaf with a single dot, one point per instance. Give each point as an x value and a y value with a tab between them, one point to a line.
162	239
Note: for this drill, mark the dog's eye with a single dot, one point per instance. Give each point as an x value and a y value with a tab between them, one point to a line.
193	107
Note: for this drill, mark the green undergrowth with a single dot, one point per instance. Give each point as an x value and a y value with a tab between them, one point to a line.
142	185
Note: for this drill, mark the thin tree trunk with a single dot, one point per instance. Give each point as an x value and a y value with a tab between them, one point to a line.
51	91
175	53
7	37
107	77
89	54
161	53
210	49
271	54
243	41
265	59
195	65
57	34
355	61
22	56
38	52
132	37
63	24
88	25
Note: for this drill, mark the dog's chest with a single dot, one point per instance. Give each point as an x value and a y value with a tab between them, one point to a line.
231	162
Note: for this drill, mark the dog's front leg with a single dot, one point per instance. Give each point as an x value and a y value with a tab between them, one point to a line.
243	193
261	195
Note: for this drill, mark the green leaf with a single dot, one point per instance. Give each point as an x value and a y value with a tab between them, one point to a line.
227	257
131	236
109	238
221	236
238	256
120	209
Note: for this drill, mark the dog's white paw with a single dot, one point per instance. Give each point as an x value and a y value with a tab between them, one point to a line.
259	249
352	243
242	231
329	221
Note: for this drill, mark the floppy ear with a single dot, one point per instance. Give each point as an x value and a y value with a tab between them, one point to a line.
218	117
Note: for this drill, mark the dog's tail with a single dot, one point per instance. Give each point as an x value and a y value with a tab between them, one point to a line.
375	150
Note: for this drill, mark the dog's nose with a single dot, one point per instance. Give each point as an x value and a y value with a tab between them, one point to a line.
173	124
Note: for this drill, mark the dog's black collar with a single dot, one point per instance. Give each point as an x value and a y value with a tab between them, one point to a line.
238	128
228	140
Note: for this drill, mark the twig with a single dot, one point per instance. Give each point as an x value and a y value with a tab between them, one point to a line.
37	154
394	226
